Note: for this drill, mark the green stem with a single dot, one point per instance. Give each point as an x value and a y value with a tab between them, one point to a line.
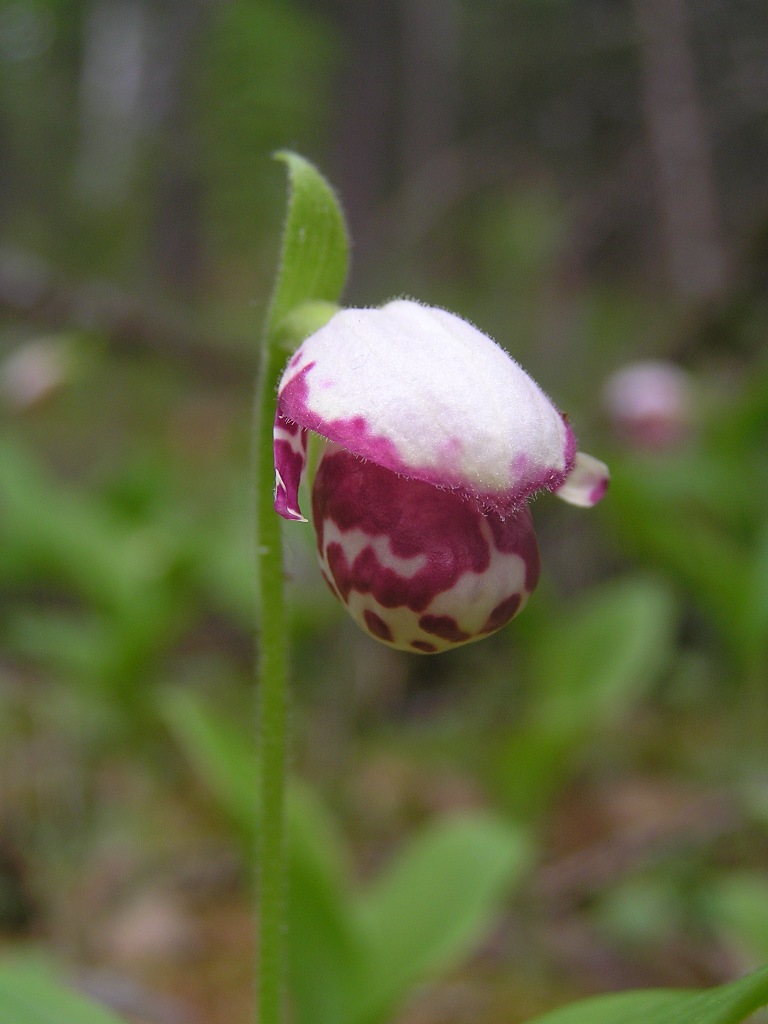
313	266
273	665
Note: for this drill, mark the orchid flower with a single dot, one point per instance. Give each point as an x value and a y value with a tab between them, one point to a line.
651	405
433	441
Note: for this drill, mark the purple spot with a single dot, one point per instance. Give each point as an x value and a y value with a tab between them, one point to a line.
355	435
444	626
294	393
424	646
377	625
416	518
598	492
352	433
501	614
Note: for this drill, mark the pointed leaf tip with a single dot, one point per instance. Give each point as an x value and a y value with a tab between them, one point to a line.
315	249
725	1004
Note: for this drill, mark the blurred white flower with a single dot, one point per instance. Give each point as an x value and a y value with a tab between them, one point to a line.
34	372
650	404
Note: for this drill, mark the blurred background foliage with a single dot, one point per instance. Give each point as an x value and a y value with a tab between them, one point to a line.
583	179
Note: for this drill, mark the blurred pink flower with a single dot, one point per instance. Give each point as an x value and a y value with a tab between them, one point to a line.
650	404
34	372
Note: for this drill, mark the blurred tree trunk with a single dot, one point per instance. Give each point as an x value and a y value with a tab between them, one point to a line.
430	79
682	151
398	118
112	70
137	88
430	102
177	240
6	176
366	116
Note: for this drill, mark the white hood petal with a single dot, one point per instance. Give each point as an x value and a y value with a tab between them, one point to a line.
422	392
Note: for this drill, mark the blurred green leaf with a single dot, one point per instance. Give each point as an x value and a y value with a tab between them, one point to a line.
738	905
72	538
351	960
325	943
222	754
73	643
28	996
756	612
588	667
639	911
315	250
529	768
598	658
432	905
60	533
323	940
726	1004
691	546
710	485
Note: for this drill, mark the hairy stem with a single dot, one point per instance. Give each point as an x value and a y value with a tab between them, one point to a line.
273	670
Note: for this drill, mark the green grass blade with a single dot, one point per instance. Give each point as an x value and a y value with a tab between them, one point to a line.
315	251
426	912
726	1004
29	996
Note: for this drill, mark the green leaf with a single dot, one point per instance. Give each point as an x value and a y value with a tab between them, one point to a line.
429	909
756	611
53	531
60	534
737	905
324	943
315	250
589	667
350	961
691	547
529	768
222	755
596	660
29	996
726	1004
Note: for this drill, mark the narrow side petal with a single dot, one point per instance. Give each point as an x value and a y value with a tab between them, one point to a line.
290	450
427	395
587	482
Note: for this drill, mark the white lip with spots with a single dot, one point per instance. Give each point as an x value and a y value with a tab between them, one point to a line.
470	601
355	541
